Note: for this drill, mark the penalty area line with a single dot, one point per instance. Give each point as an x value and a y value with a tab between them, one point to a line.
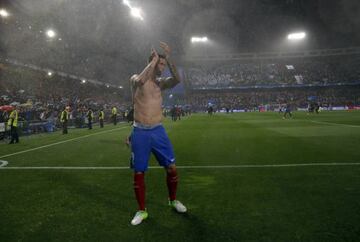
179	167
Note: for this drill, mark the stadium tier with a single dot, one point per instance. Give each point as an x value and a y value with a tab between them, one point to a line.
280	72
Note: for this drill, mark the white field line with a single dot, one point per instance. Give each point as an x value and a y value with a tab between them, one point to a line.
3	163
348	125
179	167
60	142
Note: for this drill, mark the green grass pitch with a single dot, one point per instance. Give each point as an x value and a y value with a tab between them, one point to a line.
227	181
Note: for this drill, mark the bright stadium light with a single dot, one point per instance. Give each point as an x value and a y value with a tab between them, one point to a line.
4	13
83	81
199	39
50	33
127	3
120	87
49	73
296	36
135	12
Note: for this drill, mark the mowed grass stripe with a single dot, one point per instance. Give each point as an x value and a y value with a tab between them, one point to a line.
330	123
3	166
310	203
61	142
234	139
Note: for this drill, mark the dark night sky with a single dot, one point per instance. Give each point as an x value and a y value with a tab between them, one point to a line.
99	39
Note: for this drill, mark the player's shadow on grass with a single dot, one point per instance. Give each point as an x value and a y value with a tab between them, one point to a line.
188	226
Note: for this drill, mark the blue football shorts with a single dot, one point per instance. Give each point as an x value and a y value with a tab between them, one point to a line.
147	141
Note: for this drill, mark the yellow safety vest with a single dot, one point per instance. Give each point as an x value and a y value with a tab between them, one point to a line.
101	115
13	118
64	116
90	114
114	111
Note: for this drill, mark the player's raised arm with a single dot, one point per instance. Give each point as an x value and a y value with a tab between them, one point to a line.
140	79
174	79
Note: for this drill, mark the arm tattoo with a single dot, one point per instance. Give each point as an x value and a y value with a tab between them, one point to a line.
171	81
173	71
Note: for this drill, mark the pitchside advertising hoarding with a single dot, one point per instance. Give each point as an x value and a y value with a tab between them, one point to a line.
334	108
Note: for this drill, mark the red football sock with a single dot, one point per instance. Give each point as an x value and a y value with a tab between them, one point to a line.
172	181
139	188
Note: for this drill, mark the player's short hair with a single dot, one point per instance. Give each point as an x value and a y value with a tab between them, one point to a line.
160	56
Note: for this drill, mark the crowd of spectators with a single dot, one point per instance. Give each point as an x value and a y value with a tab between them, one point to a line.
252	99
291	72
238	86
42	97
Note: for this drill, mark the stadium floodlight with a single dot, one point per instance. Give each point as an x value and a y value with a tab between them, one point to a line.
296	36
83	81
50	33
120	87
4	13
135	12
127	3
107	85
49	73
199	39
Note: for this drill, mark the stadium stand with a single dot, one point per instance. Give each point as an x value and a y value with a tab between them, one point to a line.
247	82
42	97
275	73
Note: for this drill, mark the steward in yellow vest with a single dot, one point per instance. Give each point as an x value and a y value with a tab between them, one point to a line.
13	124
101	118
113	115
64	117
90	117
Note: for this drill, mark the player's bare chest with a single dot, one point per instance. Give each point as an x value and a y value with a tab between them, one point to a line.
150	89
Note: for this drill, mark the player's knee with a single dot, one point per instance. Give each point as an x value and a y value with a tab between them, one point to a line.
172	175
171	169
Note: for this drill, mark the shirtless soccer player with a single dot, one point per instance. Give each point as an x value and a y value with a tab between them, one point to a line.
148	135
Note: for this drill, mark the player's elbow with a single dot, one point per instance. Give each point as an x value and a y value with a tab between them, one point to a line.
172	82
136	79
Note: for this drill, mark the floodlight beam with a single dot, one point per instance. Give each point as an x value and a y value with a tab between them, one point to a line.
50	33
4	13
296	36
136	13
199	39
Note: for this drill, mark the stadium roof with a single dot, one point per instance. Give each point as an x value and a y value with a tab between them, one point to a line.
101	40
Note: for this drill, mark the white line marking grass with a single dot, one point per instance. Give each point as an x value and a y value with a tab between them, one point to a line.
337	124
179	167
3	163
60	142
